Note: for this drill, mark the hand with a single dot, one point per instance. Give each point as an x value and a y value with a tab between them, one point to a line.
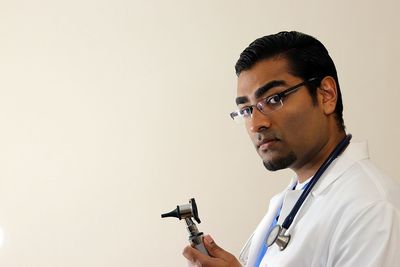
219	257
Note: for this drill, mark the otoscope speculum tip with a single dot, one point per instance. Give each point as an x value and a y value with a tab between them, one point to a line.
175	213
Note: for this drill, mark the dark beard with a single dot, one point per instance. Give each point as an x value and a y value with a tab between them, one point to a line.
281	163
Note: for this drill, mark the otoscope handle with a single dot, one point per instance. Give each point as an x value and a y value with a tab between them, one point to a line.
197	242
202	249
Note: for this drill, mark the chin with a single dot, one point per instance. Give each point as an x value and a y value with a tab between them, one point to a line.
280	163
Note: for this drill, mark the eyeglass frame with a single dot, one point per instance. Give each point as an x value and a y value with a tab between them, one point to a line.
263	101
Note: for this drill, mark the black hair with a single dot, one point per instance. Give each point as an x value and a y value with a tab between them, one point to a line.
307	58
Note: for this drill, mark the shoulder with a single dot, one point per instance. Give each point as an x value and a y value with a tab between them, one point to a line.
364	184
361	193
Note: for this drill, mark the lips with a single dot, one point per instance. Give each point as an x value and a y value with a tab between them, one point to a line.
266	143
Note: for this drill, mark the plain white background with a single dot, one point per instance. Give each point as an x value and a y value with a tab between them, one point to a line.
113	112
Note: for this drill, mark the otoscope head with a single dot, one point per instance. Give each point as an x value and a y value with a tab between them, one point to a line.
184	211
194	210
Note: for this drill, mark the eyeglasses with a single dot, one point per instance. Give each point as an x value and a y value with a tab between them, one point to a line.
268	104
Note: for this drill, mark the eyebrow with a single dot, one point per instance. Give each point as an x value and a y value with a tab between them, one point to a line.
261	91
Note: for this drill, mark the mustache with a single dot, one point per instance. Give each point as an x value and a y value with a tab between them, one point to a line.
264	137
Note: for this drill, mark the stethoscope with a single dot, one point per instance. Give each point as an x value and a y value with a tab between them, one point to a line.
278	233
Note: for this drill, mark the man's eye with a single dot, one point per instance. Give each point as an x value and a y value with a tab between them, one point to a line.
245	112
273	100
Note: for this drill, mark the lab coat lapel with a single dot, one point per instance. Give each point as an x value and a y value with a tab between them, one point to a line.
289	201
260	234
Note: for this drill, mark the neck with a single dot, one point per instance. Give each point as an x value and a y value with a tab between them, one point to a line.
320	155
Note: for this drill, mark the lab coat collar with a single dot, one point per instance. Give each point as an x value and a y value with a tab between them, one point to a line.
354	152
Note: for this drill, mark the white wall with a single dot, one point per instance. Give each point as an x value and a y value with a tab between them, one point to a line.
113	112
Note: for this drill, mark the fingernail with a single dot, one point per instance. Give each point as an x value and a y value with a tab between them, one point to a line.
208	239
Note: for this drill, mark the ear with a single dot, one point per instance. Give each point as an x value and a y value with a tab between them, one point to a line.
327	95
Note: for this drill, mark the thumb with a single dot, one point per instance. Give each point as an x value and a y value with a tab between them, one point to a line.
213	249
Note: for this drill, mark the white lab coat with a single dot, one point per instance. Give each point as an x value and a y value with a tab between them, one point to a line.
351	218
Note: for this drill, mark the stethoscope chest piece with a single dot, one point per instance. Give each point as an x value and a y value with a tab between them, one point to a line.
277	235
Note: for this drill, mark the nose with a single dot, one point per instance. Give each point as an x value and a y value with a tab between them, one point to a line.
258	121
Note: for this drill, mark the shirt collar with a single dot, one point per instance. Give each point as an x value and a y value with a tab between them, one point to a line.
355	151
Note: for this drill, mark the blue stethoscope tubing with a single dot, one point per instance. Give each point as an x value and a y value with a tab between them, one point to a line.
277	234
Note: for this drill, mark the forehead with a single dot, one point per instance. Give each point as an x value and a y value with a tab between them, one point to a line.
262	73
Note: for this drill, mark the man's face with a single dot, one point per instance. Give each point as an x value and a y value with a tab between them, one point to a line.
291	136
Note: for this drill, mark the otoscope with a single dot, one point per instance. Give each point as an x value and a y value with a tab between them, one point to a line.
187	211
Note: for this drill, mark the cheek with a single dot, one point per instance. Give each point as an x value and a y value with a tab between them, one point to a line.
294	124
299	128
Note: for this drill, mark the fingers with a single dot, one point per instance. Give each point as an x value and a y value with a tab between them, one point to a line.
193	254
219	257
217	252
213	249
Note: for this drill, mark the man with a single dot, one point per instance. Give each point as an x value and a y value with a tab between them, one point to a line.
288	97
